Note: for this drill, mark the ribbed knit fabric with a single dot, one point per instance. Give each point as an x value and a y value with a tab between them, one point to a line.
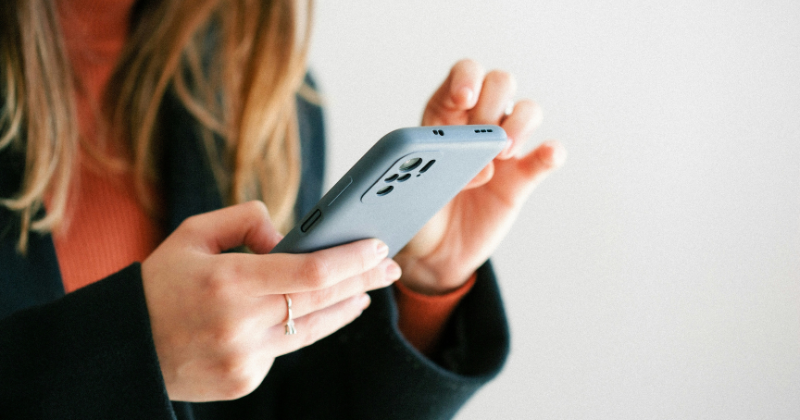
106	229
423	317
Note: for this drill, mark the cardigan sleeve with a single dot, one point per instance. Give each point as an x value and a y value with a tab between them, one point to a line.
88	355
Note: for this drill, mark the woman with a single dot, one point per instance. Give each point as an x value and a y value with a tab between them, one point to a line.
125	131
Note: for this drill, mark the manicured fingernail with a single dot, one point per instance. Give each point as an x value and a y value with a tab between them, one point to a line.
364	301
393	271
381	249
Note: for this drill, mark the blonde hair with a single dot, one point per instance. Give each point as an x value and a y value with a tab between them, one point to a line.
246	98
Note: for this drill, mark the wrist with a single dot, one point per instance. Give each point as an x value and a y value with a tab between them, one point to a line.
424	279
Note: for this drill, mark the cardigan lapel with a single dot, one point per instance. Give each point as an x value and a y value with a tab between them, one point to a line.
188	181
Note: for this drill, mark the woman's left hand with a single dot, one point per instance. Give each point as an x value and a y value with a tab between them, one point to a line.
462	236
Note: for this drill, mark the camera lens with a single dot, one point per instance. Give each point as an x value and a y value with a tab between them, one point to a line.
410	164
385	190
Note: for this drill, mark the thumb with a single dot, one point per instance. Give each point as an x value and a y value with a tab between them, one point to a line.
245	224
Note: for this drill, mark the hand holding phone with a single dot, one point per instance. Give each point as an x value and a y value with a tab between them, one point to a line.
466	232
396	187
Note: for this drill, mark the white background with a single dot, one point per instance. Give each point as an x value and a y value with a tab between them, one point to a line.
657	275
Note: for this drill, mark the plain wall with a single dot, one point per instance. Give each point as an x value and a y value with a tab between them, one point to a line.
656	276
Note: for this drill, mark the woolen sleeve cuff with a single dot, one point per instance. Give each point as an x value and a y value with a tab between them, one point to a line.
88	355
422	318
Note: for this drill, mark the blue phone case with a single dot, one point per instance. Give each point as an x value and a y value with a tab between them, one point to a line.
396	187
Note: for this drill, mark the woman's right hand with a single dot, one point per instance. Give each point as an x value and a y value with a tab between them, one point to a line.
218	319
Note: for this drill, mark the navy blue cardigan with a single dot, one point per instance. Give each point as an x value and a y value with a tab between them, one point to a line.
90	354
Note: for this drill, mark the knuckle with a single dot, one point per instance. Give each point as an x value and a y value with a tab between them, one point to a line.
373	278
214	290
528	106
238	375
219	281
191	226
530	110
315	272
256	208
253	212
502	78
226	335
322	298
366	257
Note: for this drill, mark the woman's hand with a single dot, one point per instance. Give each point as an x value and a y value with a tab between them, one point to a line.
218	319
452	245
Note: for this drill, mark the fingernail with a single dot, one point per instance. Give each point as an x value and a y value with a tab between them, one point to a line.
393	271
381	249
364	301
467	94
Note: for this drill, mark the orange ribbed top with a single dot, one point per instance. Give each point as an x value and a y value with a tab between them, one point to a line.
423	317
106	228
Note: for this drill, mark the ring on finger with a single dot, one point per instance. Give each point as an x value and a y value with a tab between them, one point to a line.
289	327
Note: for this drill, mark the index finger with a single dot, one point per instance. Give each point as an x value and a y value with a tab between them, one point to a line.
293	273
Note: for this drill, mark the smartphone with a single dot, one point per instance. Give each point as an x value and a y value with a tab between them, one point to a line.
396	187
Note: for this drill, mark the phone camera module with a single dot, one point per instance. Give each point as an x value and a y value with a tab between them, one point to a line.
427	166
410	164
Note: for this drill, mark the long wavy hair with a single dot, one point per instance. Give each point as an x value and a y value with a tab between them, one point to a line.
235	65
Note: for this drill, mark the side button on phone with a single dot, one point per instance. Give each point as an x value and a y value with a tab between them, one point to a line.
306	226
